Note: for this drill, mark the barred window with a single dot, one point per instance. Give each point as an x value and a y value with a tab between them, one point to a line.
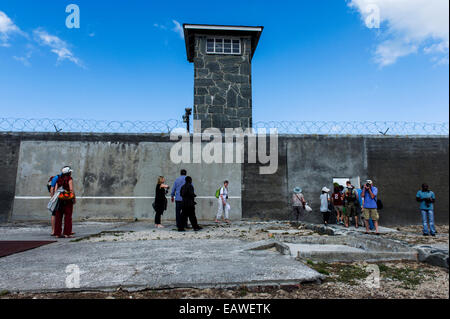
223	46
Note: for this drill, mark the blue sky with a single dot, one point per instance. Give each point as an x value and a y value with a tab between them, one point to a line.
316	60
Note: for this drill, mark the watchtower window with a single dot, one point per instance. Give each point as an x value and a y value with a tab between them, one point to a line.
223	46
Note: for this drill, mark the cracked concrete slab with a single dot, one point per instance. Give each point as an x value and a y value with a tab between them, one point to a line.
41	231
150	264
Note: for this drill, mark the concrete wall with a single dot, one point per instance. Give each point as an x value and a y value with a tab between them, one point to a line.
120	176
397	165
121	165
9	158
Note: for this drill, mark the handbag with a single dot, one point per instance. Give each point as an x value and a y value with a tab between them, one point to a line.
66	196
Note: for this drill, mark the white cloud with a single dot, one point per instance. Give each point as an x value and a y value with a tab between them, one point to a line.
25	60
409	26
7	28
160	26
57	46
178	29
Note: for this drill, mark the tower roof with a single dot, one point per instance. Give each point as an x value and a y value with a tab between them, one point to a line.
229	30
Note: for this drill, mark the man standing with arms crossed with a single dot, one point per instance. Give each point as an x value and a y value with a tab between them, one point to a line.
426	198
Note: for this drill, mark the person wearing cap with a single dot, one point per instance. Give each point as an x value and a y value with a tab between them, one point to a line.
298	203
53	181
65	207
369	193
324	203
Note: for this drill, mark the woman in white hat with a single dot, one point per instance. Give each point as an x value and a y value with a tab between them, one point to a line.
324	202
65	206
298	203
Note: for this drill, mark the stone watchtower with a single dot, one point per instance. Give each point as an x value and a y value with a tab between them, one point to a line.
222	57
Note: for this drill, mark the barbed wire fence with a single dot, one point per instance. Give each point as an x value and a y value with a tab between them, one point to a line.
167	126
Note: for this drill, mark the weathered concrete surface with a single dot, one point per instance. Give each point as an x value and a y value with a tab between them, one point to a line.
334	229
107	172
398	166
436	255
313	162
9	158
41	231
150	264
349	247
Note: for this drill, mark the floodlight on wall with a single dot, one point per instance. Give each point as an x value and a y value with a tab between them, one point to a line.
186	117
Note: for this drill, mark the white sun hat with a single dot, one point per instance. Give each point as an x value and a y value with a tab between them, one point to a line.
66	170
325	189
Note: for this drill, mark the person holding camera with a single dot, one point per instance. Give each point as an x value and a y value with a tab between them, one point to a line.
426	198
369	193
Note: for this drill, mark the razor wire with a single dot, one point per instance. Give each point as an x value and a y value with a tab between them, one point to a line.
388	128
355	128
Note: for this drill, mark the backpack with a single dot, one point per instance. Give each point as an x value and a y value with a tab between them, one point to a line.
379	204
49	183
218	192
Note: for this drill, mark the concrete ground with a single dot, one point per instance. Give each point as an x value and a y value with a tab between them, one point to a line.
138	256
213	263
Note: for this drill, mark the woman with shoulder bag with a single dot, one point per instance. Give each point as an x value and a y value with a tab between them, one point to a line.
66	200
160	204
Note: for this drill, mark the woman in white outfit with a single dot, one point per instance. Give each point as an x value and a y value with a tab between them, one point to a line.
223	206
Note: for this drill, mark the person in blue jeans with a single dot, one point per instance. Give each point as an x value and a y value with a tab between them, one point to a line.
426	198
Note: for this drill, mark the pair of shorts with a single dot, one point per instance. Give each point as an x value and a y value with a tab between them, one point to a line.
370	213
350	211
339	208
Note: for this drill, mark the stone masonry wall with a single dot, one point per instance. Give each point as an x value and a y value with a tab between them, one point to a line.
222	87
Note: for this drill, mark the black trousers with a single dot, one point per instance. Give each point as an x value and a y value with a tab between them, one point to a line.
178	215
189	212
326	216
158	215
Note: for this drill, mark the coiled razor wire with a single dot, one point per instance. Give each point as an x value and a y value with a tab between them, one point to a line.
167	126
356	128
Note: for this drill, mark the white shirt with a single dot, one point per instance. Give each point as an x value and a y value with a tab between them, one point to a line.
324	203
224	193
